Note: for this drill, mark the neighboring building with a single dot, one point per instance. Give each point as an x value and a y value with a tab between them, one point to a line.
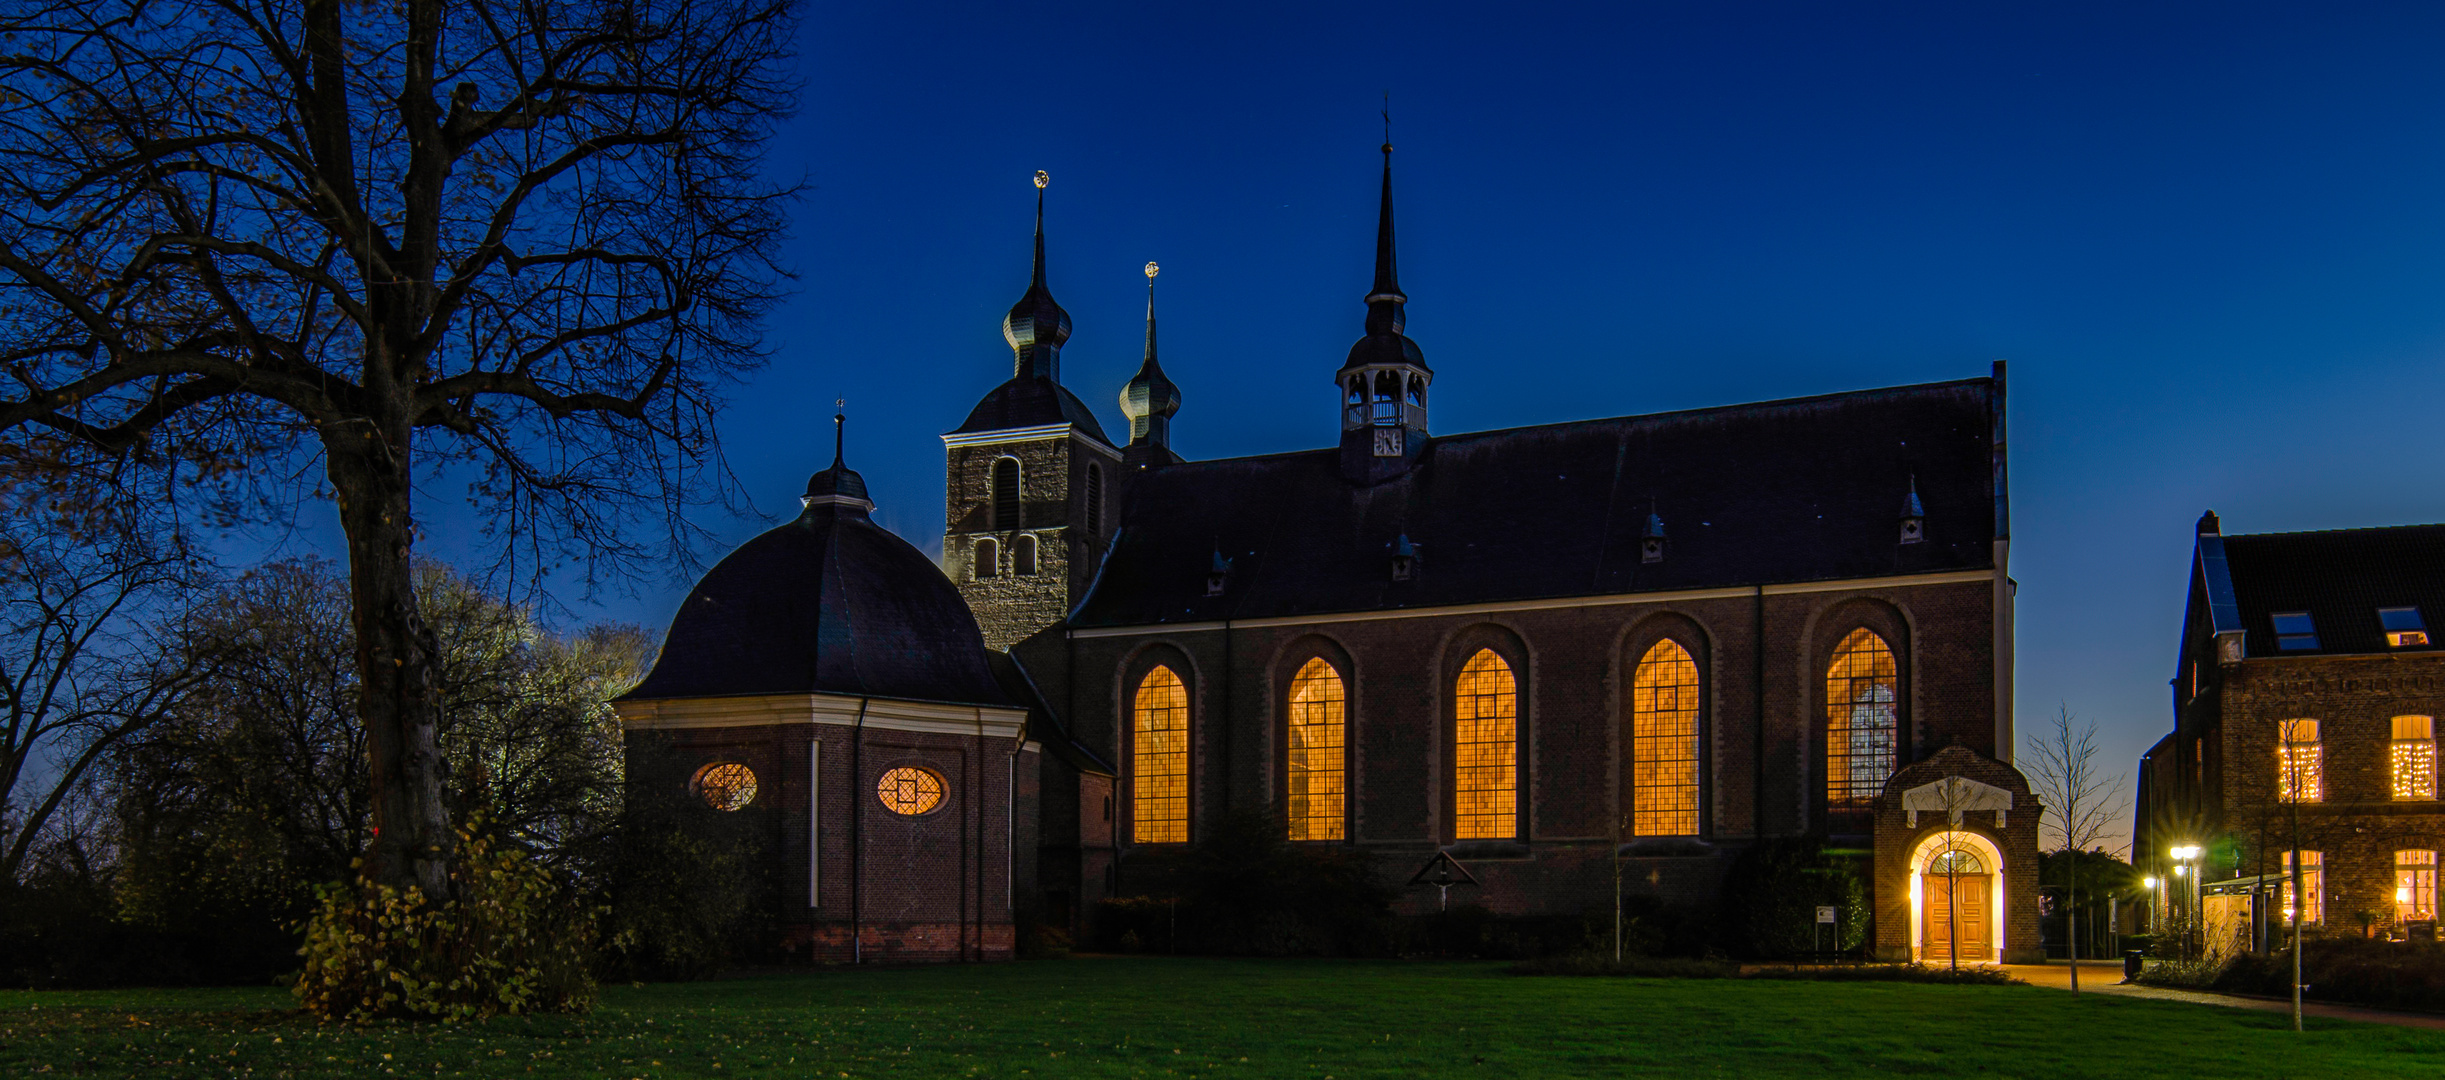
2309	679
1657	639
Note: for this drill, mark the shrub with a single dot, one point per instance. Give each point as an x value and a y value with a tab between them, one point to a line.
1473	931
2182	974
506	943
1635	967
1771	893
2363	971
1243	890
1911	973
680	888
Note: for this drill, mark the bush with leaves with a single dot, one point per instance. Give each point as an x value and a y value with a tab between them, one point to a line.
1771	893
1244	890
507	942
680	883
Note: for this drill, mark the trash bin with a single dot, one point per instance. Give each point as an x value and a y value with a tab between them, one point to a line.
2130	965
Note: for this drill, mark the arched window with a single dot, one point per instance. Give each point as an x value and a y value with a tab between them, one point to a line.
1417	391
1387	399
2415	757
1095	499
1486	750
2300	762
1023	556
1664	743
1159	760
1006	493
988	561
1862	725
1314	764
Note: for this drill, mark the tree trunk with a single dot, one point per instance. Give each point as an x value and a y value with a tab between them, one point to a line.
396	660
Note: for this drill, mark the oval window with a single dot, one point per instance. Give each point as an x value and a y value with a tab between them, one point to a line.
910	791
727	786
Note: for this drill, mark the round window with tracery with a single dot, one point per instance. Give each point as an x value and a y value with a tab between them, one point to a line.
910	791
728	786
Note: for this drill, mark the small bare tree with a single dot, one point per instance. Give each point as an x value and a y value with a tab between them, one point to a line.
2083	809
520	244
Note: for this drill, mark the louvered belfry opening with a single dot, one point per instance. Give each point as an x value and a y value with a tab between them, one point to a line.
1006	493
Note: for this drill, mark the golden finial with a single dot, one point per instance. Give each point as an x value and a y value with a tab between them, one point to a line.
1152	270
1043	178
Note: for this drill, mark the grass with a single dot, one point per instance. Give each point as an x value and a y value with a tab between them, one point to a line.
1096	1017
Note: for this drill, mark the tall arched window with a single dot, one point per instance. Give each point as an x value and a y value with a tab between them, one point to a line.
1159	760
1095	499
1314	763
1486	750
1006	493
988	561
1664	743
1023	556
1862	724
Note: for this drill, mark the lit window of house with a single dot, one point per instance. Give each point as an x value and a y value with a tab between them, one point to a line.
2313	882
2403	626
2294	631
2415	757
2415	886
2300	763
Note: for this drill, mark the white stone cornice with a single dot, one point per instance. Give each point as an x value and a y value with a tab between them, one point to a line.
759	710
1041	433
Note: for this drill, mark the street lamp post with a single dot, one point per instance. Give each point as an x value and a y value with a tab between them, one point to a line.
2186	864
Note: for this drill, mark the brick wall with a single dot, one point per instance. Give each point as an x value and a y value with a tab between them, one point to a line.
916	888
1573	666
2358	826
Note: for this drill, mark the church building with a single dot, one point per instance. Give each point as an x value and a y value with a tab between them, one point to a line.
1653	640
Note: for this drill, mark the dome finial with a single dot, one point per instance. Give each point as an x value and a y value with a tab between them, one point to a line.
839	487
1149	399
840	422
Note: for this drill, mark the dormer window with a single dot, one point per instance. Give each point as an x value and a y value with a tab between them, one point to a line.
1219	576
1404	559
2294	632
1651	542
2403	626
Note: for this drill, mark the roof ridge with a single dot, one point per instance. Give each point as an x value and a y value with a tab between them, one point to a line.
2337	532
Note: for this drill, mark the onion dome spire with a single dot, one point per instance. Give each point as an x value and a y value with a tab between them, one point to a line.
1149	399
839	487
1036	326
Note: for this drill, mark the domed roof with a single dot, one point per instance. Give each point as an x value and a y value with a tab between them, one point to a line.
830	603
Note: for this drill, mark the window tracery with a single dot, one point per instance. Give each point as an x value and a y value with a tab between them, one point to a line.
910	791
725	786
1862	720
1485	796
1315	773
1664	743
1159	759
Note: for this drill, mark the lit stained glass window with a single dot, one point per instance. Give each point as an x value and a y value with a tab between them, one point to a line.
1862	726
1315	764
1664	743
2414	757
727	786
2415	886
910	791
2313	881
2300	763
1159	761
1486	750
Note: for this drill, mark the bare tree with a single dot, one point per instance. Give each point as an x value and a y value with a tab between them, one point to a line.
80	668
519	244
2082	805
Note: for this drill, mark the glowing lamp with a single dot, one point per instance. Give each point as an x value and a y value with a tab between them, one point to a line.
2152	883
2180	871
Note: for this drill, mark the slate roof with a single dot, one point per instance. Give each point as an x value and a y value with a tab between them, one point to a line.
1789	491
829	603
2341	578
1031	401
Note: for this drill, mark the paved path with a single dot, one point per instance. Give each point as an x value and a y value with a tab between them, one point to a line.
2106	978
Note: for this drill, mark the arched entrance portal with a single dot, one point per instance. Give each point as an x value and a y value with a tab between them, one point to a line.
1956	899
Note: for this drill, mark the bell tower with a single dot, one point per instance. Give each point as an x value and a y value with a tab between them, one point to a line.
1027	491
1383	385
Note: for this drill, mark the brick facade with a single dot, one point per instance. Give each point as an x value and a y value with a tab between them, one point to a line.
1899	838
1762	655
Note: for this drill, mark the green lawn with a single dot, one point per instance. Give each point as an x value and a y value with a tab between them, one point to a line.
1215	1018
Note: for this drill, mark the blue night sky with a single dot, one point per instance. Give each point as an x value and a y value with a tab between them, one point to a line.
2209	239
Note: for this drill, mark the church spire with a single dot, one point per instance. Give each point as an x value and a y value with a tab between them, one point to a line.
839	486
1384	301
1149	399
1036	326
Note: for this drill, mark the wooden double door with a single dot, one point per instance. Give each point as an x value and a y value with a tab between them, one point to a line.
1957	903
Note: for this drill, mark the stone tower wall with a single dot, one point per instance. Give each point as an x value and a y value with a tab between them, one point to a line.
1053	476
